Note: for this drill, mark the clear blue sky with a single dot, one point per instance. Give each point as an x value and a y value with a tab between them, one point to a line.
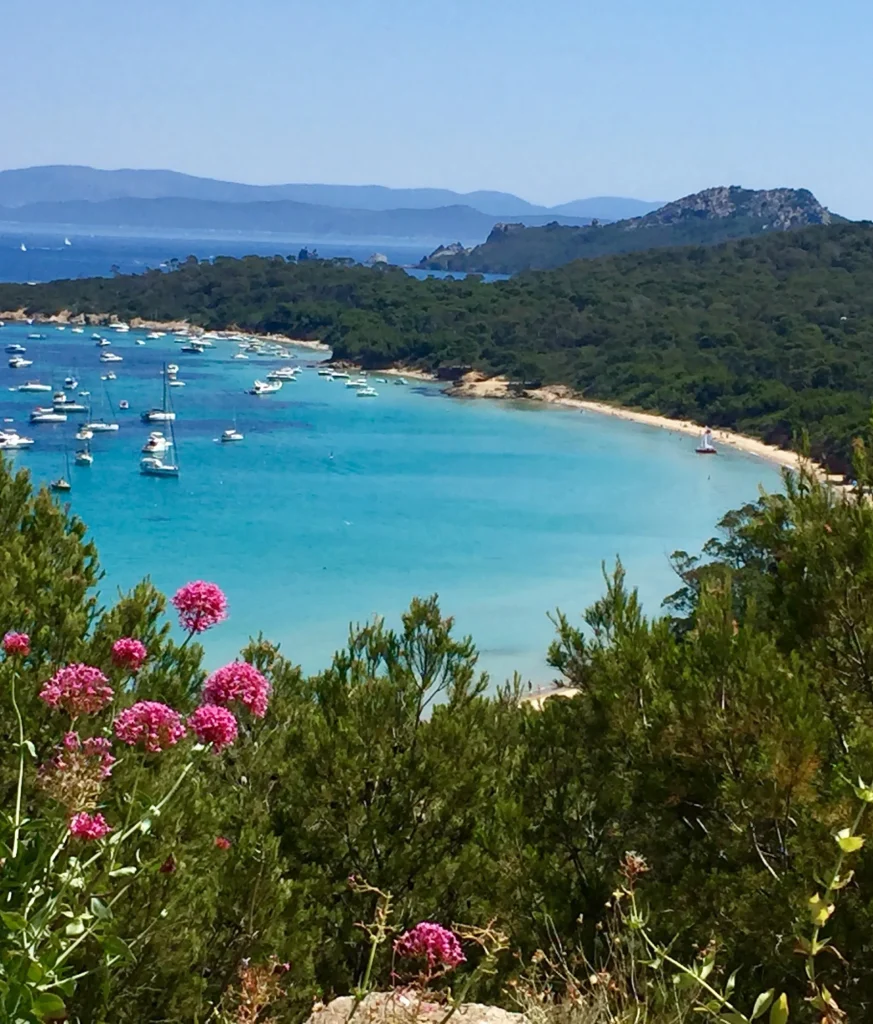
550	99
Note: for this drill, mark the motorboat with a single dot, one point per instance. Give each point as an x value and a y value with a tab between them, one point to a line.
325	372
84	394
195	347
61	403
340	375
19	363
109	376
283	373
101	427
67	241
151	465
11	439
154	335
122	328
103	342
78	330
84	433
367	392
236	355
172	369
400	381
110	357
139	341
34	385
61	484
360	382
173	383
35	336
16	350
97	337
42	414
262	387
231	434
157	444
62	327
124	405
70	383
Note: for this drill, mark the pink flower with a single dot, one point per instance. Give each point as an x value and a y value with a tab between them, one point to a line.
84	826
78	689
215	725
241	682
200	605
128	653
16	644
222	843
432	943
149	722
76	773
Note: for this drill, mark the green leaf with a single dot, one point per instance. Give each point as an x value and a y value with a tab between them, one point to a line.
779	1010
75	927
762	1003
31	749
114	946
49	1006
35	972
100	910
14	922
731	984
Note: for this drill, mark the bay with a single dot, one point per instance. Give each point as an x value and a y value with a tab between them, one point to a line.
335	509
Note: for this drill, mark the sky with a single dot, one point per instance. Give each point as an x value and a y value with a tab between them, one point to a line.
553	100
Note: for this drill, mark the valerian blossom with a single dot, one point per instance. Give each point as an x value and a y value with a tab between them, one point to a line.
150	723
75	775
16	645
200	605
239	682
222	843
77	689
432	943
129	653
215	725
88	827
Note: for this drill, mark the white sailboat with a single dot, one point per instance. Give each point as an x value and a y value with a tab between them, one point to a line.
706	447
153	464
67	241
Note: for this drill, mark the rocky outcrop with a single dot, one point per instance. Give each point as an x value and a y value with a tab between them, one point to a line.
398	1008
500	231
780	209
445	252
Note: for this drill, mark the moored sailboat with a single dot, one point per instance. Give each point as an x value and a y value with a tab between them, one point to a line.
706	447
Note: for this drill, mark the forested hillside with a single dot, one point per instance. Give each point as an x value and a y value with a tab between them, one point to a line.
772	336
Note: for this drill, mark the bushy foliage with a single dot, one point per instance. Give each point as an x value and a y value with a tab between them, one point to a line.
770	335
723	741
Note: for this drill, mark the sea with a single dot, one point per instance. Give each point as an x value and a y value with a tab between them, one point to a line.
334	509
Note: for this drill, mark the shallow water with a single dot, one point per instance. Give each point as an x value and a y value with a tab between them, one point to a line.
336	508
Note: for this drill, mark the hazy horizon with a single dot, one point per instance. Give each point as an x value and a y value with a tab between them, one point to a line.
551	103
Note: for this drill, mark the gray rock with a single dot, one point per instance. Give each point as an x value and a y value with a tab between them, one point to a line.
401	1008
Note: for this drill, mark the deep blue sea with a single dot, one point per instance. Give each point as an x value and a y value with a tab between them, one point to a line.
335	509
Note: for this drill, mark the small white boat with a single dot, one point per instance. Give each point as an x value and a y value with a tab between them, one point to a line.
19	363
340	375
34	385
154	335
11	439
361	382
158	416
62	327
124	405
367	392
101	427
43	415
110	357
231	434
156	444
70	383
61	403
16	350
67	241
152	465
283	373
61	484
326	372
84	394
139	341
78	330
176	383
122	328
400	381
195	347
84	434
35	336
172	369
109	376
84	457
706	447
103	342
23	247
262	387
239	355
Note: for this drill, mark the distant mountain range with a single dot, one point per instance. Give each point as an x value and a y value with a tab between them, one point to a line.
705	218
89	197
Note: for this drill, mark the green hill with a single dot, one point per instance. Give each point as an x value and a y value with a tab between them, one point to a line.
771	335
706	218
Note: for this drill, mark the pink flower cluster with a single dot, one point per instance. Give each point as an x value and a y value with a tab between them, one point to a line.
78	689
215	725
240	682
432	943
200	605
221	843
151	723
16	644
96	749
129	653
88	827
75	775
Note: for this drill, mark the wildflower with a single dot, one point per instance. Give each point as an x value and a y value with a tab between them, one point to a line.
78	689
241	682
128	653
16	645
215	725
169	866
88	827
75	775
222	843
153	724
427	941
632	866
200	605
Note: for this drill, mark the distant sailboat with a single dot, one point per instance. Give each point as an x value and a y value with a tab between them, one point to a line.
63	483
153	464
67	241
23	247
706	447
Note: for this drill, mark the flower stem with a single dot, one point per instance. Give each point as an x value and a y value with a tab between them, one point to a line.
20	789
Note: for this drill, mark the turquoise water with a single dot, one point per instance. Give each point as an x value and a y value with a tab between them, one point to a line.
335	508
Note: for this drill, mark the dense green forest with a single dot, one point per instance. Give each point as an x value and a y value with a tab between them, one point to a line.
721	741
771	336
706	218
